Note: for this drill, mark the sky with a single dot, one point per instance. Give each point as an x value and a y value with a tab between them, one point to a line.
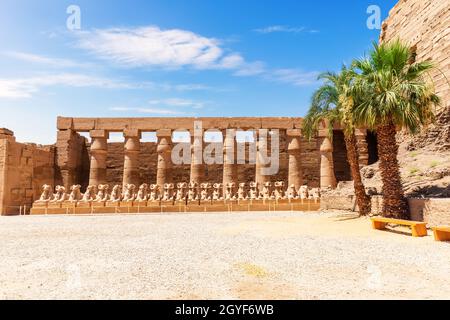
170	58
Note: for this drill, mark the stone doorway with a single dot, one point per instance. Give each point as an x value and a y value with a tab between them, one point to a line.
341	165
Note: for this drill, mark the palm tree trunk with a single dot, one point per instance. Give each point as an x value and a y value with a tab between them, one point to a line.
394	201
362	199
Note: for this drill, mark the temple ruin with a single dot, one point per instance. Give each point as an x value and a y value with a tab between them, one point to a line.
96	162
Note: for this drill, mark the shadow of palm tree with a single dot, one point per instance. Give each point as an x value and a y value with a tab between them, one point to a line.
346	217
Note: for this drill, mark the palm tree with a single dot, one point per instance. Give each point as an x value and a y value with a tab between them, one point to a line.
333	103
395	95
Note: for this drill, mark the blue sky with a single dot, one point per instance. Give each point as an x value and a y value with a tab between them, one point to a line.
170	58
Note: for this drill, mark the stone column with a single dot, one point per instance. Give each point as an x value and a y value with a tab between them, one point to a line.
327	177
229	158
164	149
99	147
131	156
197	165
262	143
294	152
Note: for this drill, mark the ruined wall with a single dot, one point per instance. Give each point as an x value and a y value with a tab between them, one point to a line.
425	25
431	210
24	168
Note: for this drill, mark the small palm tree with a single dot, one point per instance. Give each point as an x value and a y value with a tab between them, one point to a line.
333	103
395	95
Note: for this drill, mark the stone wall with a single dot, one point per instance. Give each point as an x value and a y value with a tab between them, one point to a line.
433	211
24	168
348	203
425	25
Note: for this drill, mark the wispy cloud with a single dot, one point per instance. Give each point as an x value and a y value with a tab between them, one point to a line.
184	87
287	29
251	69
294	77
178	102
175	48
152	46
26	87
156	111
168	106
48	61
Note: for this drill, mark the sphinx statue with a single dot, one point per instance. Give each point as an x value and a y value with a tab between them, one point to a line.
303	192
193	191
217	192
253	193
229	191
47	193
241	193
314	193
154	192
116	193
142	194
89	195
181	191
75	193
128	192
291	193
278	192
60	194
266	191
168	192
205	193
102	193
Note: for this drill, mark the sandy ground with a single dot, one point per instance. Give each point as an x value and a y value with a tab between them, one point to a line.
217	256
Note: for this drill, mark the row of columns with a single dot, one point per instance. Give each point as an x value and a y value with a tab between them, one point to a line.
164	165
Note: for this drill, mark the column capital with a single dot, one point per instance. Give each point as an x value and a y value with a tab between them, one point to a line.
164	133
132	133
323	133
99	134
294	132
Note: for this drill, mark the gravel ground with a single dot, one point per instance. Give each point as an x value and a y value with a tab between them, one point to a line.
217	256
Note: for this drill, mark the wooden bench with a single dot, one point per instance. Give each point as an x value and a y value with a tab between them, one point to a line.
441	233
419	229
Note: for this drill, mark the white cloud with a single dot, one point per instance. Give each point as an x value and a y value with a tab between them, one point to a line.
294	77
39	59
177	102
251	69
281	28
26	87
151	46
176	48
148	111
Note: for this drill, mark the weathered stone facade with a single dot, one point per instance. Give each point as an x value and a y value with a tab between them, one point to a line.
425	25
71	161
148	158
24	168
